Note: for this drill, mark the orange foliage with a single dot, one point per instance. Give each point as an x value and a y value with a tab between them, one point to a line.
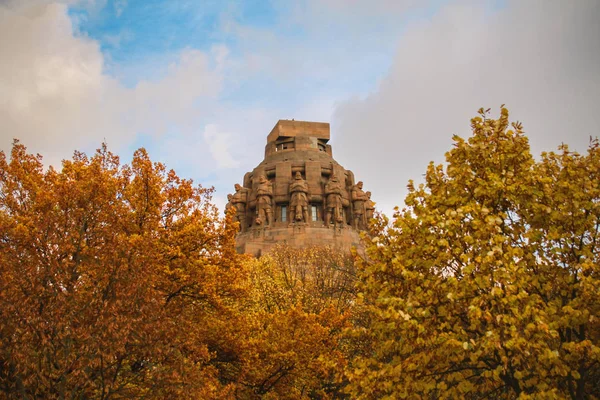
121	281
116	280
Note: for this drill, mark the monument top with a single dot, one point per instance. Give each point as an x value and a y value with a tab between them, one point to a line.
290	128
299	194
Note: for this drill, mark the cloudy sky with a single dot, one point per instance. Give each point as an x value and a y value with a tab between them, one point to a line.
200	83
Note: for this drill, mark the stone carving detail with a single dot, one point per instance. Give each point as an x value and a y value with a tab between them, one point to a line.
358	206
333	193
239	200
369	207
297	192
229	205
299	199
264	201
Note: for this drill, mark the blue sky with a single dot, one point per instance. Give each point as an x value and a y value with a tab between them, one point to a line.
201	83
139	38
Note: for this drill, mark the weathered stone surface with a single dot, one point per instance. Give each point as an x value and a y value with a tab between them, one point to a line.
299	194
299	199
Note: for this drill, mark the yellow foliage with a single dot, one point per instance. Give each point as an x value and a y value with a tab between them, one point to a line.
302	300
486	284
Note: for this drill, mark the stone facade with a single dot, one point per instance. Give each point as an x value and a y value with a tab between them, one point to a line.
299	194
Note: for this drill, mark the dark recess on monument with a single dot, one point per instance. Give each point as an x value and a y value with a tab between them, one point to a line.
299	195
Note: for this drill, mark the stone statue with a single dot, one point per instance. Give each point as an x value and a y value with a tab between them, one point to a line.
369	207
239	200
264	196
358	198
299	199
229	204
333	193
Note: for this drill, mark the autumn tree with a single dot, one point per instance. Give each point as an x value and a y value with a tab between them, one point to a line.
314	278
302	300
486	284
115	281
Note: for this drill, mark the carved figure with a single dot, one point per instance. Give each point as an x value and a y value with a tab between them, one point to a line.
299	199
358	206
239	200
333	193
264	195
229	205
369	207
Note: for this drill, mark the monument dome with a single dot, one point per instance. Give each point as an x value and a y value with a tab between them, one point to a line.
299	195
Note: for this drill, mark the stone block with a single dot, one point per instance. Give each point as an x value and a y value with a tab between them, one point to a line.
291	128
283	176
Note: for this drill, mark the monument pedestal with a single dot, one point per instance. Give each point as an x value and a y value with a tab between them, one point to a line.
258	241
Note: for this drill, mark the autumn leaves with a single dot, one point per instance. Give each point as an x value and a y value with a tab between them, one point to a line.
121	281
485	285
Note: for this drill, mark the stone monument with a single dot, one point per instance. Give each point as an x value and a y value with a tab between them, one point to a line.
299	194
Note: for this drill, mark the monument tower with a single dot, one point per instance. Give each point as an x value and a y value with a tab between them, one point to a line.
299	194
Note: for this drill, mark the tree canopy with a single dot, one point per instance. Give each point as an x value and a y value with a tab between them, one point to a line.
115	280
122	281
486	285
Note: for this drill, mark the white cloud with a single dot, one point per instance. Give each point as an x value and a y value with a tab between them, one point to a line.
351	19
178	97
219	143
540	58
55	96
52	80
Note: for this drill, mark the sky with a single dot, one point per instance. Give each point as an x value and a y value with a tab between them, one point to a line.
200	83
